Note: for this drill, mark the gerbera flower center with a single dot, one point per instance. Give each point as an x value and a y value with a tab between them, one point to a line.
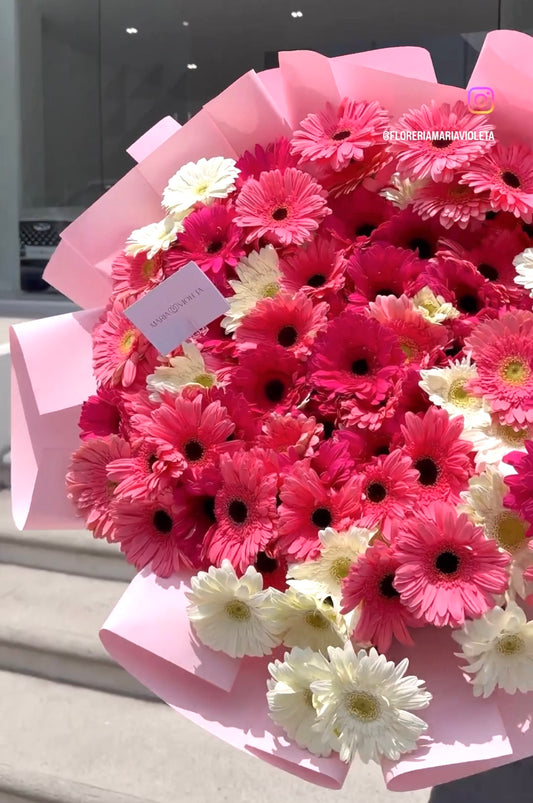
270	290
424	248
441	143
428	470
511	644
511	179
238	610
340	568
265	564
148	269
321	517
459	396
447	563
360	367
488	272
287	336
238	511
280	213
127	341
364	230
376	492
201	188
162	521
208	507
110	488
193	451
468	303
409	348
386	587
512	437
214	247
308	698
205	380
515	371
385	291
316	280
316	620
510	531
275	390
340	135
152	460
363	706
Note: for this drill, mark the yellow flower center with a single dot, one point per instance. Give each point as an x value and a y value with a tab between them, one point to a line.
206	380
510	531
510	436
340	567
110	488
148	269
513	644
317	620
363	706
308	698
270	290
459	396
127	341
201	188
515	371
238	610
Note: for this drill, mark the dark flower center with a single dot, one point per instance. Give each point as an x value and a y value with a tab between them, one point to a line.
490	215
386	588
316	280
287	336
488	272
275	390
364	230
193	451
428	470
468	303
511	179
237	511
214	247
329	428
447	563
208	507
321	517
528	229
162	521
151	461
265	564
360	367
341	135
384	449
441	143
280	213
454	349
424	248
376	492
385	291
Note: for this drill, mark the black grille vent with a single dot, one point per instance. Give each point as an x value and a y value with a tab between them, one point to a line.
41	233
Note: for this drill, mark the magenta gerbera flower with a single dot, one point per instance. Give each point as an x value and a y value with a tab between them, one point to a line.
493	255
458	281
520	495
451	203
210	238
317	270
276	156
390	488
355	216
269	379
291	322
133	275
122	356
245	511
432	441
408	230
142	474
506	173
503	352
295	434
435	156
448	570
338	136
286	207
421	341
102	415
370	584
381	270
309	505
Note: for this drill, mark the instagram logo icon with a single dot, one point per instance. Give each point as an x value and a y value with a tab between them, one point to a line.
480	100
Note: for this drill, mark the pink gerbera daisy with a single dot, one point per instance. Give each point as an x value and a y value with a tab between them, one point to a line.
439	157
448	570
121	354
294	434
291	322
89	486
355	356
520	495
458	281
506	172
355	216
370	585
420	340
338	136
451	203
210	238
309	505
245	511
317	270
142	474
333	462
408	230
276	156
357	173
493	255
268	377
503	352
381	270
273	567
102	415
390	489
149	536
286	207
133	275
442	460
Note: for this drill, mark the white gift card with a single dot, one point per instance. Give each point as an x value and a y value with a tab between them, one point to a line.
177	308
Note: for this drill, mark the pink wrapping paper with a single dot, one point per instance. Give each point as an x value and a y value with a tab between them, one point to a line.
153	138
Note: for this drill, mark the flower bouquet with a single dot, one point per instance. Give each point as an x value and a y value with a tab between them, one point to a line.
300	399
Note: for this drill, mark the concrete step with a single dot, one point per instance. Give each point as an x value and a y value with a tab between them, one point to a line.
68	551
49	628
139	748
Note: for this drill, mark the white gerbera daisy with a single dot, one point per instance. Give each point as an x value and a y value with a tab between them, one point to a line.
524	269
446	387
259	277
200	182
154	238
499	647
303	621
433	308
230	613
290	699
338	551
492	441
401	191
186	370
367	701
